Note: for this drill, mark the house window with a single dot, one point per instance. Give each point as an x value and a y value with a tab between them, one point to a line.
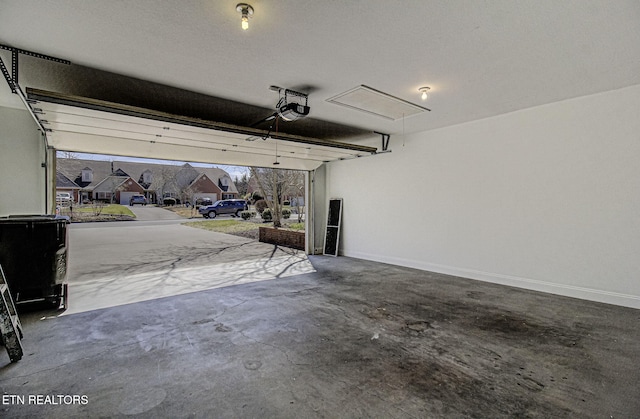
223	183
227	196
147	177
87	175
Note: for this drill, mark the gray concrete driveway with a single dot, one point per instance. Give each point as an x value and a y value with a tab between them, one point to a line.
151	213
125	262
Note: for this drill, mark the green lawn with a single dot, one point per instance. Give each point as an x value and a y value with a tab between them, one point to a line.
111	209
237	226
225	226
296	226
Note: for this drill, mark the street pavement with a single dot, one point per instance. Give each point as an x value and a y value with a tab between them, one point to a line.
152	213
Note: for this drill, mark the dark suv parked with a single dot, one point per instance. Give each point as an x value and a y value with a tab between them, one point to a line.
226	206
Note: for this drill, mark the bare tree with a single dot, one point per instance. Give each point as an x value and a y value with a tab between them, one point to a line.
66	154
166	183
274	184
242	184
297	191
183	179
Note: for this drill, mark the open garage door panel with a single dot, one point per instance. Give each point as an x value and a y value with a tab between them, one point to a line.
93	126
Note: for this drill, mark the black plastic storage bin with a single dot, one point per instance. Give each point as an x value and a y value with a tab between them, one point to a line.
33	254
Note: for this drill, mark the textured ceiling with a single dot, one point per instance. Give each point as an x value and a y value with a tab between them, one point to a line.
480	58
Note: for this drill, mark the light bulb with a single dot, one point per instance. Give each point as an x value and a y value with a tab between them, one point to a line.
246	11
424	91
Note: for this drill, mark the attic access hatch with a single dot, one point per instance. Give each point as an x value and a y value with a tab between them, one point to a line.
94	126
367	99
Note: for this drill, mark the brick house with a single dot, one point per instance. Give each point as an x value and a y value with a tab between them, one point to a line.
64	184
203	187
117	189
115	181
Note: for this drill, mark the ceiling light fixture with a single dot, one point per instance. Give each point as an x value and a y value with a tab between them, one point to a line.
247	11
424	91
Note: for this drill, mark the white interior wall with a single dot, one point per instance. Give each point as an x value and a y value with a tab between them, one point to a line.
546	198
319	207
22	184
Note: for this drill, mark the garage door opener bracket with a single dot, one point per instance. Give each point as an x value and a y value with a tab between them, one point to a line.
385	140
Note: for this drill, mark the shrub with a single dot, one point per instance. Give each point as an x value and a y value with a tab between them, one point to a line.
266	215
286	213
261	205
256	197
97	206
247	214
169	201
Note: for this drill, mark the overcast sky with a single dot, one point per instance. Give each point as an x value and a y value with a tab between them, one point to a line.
234	171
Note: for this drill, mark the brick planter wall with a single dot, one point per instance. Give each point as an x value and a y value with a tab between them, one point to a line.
287	238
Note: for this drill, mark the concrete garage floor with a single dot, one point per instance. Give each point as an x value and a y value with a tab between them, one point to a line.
351	339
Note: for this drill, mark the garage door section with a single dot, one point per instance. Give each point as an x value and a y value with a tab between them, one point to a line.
125	197
94	126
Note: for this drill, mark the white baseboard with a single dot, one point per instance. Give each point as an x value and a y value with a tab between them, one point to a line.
608	297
